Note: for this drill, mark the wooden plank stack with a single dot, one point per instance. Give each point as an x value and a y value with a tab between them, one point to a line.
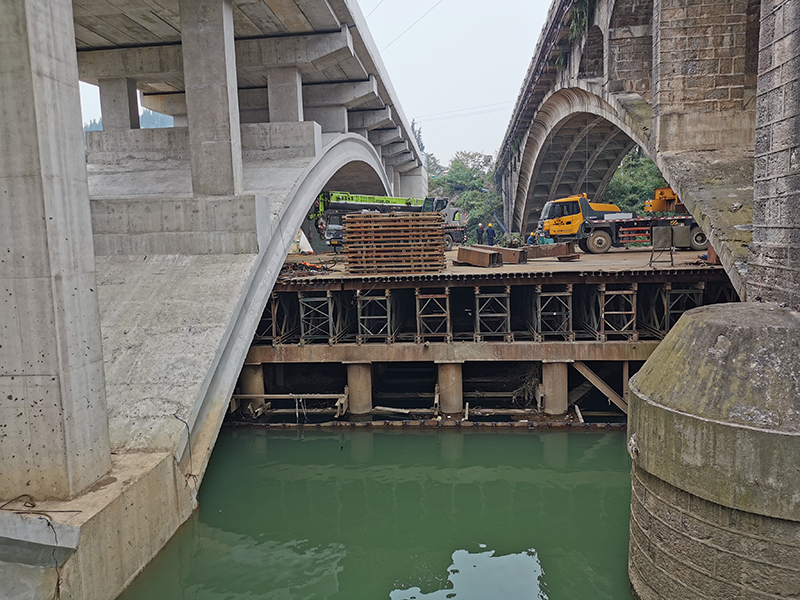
394	243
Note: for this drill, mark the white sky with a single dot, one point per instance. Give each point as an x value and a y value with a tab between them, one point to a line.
457	71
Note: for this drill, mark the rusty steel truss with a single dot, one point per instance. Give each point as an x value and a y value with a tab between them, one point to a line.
436	310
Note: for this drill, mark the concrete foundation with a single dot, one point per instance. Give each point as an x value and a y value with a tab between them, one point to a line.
556	388
715	508
359	383
451	389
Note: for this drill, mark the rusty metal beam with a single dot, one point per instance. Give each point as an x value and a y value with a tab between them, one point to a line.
601	385
461	352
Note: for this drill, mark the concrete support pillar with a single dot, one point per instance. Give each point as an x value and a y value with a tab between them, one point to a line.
284	95
395	180
55	440
414	184
774	264
118	103
556	389
451	388
209	65
359	383
251	379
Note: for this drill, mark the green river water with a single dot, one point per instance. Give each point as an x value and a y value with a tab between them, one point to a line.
385	515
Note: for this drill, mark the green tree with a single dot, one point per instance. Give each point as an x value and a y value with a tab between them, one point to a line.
469	183
633	182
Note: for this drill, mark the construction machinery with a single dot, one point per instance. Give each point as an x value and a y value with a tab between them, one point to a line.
665	200
330	208
597	227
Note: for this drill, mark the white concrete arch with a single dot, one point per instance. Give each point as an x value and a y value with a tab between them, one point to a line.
206	417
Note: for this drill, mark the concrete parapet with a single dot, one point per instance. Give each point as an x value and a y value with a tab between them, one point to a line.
714	427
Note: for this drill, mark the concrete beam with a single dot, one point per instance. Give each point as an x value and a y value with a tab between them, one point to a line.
347	94
370	119
391	150
400	160
320	51
211	96
153	64
332	119
382	137
119	104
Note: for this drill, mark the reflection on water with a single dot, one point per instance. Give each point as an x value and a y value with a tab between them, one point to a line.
386	515
483	575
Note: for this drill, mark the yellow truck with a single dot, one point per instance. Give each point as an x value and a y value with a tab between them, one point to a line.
597	227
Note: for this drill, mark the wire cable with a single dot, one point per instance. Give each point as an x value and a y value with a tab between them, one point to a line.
376	8
412	25
450	112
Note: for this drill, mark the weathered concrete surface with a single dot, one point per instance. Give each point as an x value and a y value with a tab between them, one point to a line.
28	582
714	427
163	319
124	520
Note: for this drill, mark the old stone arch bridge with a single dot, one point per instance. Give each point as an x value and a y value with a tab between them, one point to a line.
678	79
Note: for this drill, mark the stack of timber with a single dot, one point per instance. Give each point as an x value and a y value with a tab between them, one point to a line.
394	243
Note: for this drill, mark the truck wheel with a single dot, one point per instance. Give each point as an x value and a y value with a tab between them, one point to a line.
599	242
448	242
698	239
582	245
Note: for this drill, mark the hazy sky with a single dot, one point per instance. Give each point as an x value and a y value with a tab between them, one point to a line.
457	71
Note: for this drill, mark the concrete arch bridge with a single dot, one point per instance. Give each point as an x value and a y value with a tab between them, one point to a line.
135	271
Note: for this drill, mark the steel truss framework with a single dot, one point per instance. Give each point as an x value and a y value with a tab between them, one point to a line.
541	312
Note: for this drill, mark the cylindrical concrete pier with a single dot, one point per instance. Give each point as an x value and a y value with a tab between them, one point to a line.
451	388
251	379
556	388
714	433
359	383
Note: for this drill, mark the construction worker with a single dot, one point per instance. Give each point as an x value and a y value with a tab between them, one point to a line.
490	234
480	233
531	241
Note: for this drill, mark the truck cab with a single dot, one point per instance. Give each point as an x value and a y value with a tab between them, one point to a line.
563	219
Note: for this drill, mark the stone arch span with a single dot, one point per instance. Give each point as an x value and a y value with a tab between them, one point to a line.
206	417
574	145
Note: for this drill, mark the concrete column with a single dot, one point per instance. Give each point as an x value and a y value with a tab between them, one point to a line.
251	379
451	389
414	184
284	95
209	66
359	383
54	441
395	180
119	104
774	264
556	389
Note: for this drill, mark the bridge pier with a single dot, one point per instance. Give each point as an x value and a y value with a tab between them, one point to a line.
555	378
359	384
451	388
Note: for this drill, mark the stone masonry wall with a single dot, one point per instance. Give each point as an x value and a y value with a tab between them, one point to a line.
774	263
699	74
630	47
681	544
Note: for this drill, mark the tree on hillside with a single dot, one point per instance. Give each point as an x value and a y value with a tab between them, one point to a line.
469	182
633	182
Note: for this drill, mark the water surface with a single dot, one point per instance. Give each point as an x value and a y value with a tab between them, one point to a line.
391	515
